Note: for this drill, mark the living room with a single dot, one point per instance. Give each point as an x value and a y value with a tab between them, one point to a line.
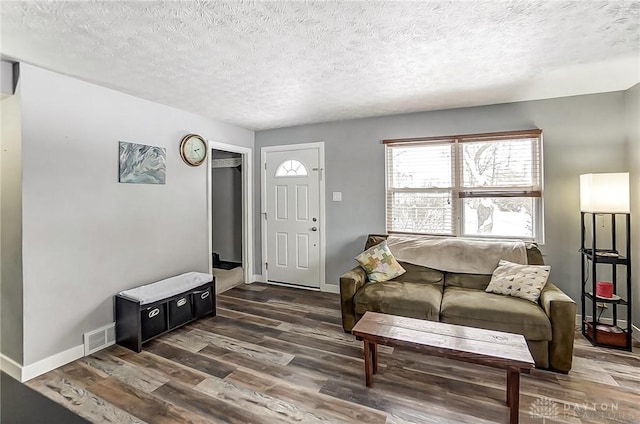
73	237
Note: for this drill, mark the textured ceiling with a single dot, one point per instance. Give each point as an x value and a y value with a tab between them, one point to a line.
272	64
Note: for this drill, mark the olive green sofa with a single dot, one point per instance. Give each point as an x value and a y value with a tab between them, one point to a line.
425	293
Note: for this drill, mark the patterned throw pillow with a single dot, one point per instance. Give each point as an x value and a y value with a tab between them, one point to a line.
379	263
525	281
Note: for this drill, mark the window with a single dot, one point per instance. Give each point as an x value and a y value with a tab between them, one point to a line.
291	168
479	185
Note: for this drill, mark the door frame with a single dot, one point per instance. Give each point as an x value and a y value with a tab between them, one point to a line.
321	193
247	205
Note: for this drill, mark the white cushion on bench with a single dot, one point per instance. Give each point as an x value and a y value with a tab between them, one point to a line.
168	287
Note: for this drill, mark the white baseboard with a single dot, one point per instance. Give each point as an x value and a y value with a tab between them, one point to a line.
635	334
11	367
330	288
325	288
51	363
292	286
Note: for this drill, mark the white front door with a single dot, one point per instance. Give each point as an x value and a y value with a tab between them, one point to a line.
293	227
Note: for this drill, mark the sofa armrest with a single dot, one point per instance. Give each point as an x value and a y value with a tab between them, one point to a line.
561	310
350	283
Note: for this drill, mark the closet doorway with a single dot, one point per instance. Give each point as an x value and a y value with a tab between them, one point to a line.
230	235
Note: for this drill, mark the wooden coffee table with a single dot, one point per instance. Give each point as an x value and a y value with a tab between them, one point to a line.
486	347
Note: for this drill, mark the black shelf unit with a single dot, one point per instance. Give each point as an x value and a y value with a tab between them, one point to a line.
614	336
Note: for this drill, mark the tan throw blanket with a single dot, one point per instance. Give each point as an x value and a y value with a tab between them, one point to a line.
450	254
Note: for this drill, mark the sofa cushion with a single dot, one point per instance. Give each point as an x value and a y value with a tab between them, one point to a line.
476	308
481	281
420	274
404	298
467	281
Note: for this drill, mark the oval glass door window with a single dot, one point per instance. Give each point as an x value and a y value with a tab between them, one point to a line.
291	168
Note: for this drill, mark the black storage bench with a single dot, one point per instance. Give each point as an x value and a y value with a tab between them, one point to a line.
148	311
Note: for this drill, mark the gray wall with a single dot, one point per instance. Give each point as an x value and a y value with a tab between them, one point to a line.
85	236
226	185
581	134
11	229
632	116
6	78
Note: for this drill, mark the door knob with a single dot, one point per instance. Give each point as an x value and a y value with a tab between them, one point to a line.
314	228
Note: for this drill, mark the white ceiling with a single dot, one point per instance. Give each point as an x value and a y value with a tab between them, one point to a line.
265	65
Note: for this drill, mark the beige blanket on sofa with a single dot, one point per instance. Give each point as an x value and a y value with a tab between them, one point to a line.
450	254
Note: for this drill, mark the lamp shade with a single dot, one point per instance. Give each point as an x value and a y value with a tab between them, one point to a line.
604	193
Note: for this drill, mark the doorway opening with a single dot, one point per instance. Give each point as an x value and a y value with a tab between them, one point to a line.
230	227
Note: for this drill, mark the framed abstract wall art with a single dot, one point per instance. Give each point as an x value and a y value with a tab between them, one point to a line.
142	164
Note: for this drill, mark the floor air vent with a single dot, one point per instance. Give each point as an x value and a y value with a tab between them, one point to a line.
99	339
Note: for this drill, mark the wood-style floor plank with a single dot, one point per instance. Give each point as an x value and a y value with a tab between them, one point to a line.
236	316
72	394
174	371
306	378
272	409
255	351
211	407
342	411
276	354
190	359
144	379
144	405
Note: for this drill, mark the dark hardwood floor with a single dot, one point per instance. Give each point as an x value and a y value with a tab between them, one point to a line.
276	354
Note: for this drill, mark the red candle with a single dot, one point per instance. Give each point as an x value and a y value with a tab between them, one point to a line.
604	289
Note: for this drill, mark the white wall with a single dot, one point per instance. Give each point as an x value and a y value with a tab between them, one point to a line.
11	225
581	134
632	118
86	237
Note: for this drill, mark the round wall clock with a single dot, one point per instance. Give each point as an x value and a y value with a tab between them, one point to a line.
193	150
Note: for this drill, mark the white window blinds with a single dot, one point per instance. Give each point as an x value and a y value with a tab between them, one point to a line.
420	187
479	185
